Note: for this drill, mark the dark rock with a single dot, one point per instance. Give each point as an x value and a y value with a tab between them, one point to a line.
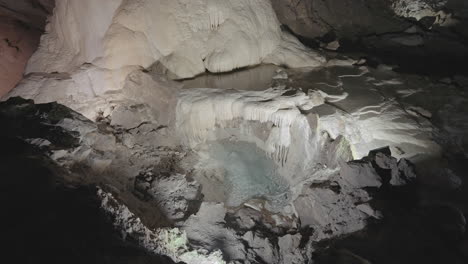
23	119
346	19
378	28
48	221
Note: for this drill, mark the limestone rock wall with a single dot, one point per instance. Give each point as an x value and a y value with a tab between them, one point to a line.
21	25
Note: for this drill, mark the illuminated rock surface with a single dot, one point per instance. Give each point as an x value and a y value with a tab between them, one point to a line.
186	36
305	159
201	179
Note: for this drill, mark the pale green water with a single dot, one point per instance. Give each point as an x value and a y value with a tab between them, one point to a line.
248	173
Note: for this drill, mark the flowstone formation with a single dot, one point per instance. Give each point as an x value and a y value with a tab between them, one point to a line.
186	36
162	207
242	176
87	64
270	164
202	179
311	150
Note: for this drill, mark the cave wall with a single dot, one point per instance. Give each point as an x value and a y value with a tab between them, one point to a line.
83	63
21	25
344	18
356	19
420	36
191	37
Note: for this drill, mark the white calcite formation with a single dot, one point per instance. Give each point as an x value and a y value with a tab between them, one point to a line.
418	9
201	111
239	175
88	63
307	148
94	91
312	138
154	199
386	124
188	37
285	125
272	120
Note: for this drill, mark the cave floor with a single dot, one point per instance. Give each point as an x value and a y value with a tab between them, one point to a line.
168	186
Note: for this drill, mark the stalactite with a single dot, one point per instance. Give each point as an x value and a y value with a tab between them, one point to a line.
201	111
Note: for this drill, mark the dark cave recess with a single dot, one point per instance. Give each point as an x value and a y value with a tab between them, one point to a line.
371	29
